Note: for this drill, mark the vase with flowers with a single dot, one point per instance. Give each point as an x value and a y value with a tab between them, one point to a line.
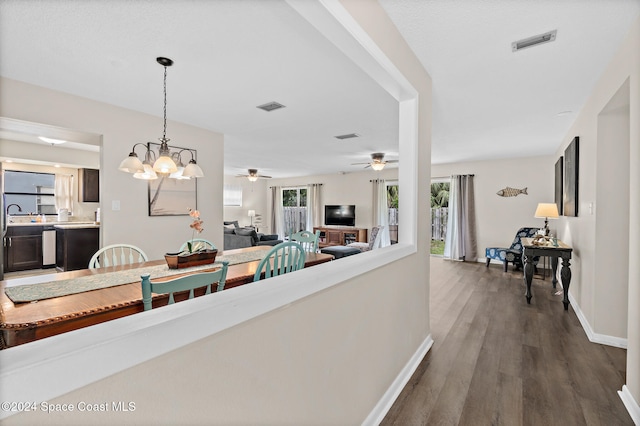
196	252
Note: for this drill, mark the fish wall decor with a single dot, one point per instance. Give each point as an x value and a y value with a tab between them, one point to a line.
511	192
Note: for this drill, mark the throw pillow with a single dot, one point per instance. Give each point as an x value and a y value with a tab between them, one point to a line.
248	232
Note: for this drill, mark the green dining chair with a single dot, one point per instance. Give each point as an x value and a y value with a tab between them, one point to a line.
187	282
198	244
117	254
308	240
285	257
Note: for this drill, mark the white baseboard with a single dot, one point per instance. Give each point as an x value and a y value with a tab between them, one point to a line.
631	404
594	337
383	406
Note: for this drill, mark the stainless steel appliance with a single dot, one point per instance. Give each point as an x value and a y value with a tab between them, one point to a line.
48	247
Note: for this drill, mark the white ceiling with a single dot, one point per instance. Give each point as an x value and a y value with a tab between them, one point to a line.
231	56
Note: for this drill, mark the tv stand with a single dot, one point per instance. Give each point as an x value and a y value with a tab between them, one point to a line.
340	236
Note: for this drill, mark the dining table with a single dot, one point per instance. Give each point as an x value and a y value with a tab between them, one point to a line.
55	313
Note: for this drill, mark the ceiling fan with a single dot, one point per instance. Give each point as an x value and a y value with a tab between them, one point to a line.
254	176
377	161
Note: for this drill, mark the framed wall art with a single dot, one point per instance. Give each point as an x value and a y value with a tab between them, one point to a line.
558	184
571	174
170	196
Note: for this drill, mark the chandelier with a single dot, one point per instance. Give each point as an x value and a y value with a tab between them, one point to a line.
162	163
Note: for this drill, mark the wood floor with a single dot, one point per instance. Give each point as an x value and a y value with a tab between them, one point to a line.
498	361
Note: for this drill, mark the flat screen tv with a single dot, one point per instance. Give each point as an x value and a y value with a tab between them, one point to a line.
343	215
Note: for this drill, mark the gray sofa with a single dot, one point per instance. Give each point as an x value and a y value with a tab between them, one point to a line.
236	237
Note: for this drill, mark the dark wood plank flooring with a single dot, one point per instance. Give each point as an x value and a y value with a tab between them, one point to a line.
498	361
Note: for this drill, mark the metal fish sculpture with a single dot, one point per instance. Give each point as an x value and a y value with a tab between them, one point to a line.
511	192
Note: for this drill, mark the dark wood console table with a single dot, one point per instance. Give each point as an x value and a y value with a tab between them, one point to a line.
562	250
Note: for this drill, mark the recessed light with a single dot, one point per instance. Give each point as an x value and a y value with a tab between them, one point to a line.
51	141
9	161
56	165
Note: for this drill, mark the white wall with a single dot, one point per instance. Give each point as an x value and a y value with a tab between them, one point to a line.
121	129
498	218
608	304
254	197
331	357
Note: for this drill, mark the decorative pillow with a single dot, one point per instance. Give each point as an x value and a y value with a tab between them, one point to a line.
232	222
271	237
248	232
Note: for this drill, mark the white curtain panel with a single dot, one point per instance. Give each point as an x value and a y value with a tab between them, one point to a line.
460	242
277	214
314	206
381	210
63	192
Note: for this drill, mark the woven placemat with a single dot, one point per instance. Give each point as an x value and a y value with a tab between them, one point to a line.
47	290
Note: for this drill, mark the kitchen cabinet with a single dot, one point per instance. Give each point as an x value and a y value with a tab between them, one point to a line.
23	248
89	185
75	244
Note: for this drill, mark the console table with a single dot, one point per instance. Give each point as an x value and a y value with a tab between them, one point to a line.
340	236
562	250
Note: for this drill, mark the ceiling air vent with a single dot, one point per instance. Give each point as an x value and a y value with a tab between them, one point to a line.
271	106
533	41
349	136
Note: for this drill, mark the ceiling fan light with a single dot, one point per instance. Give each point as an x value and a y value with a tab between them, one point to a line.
252	178
193	170
131	164
377	166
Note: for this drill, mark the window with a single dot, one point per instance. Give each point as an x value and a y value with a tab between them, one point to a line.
294	206
439	214
33	192
232	195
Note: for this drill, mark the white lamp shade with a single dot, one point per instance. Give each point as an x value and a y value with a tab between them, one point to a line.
165	164
377	166
252	213
148	173
547	210
193	170
131	164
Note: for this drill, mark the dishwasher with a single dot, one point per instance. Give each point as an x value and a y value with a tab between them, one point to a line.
48	247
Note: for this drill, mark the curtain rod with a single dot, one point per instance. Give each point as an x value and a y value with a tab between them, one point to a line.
293	186
445	177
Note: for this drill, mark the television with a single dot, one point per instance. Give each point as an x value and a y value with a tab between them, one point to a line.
342	215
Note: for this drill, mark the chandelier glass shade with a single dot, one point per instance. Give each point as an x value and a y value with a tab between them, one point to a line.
166	163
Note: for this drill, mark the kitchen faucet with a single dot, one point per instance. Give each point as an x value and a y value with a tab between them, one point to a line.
17	205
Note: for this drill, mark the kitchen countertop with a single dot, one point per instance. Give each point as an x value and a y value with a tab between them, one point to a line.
67	225
57	224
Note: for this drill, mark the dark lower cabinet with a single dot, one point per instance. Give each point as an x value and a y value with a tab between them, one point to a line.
75	246
23	248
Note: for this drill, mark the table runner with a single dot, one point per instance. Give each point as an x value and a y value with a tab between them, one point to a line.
49	290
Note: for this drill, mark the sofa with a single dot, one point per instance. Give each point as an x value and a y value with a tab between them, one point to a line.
236	237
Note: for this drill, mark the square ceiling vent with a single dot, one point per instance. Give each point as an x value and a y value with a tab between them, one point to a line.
533	41
271	106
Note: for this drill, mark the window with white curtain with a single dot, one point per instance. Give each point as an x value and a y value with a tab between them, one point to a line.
232	195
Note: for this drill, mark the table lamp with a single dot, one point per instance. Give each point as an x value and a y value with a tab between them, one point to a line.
547	211
252	214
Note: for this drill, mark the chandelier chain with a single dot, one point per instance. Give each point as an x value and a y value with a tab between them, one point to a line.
164	131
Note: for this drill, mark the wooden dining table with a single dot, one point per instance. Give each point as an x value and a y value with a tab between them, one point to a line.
25	322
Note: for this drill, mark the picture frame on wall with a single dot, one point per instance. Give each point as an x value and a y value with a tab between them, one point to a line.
169	196
571	175
559	184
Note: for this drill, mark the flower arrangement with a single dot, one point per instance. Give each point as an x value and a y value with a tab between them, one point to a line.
196	226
